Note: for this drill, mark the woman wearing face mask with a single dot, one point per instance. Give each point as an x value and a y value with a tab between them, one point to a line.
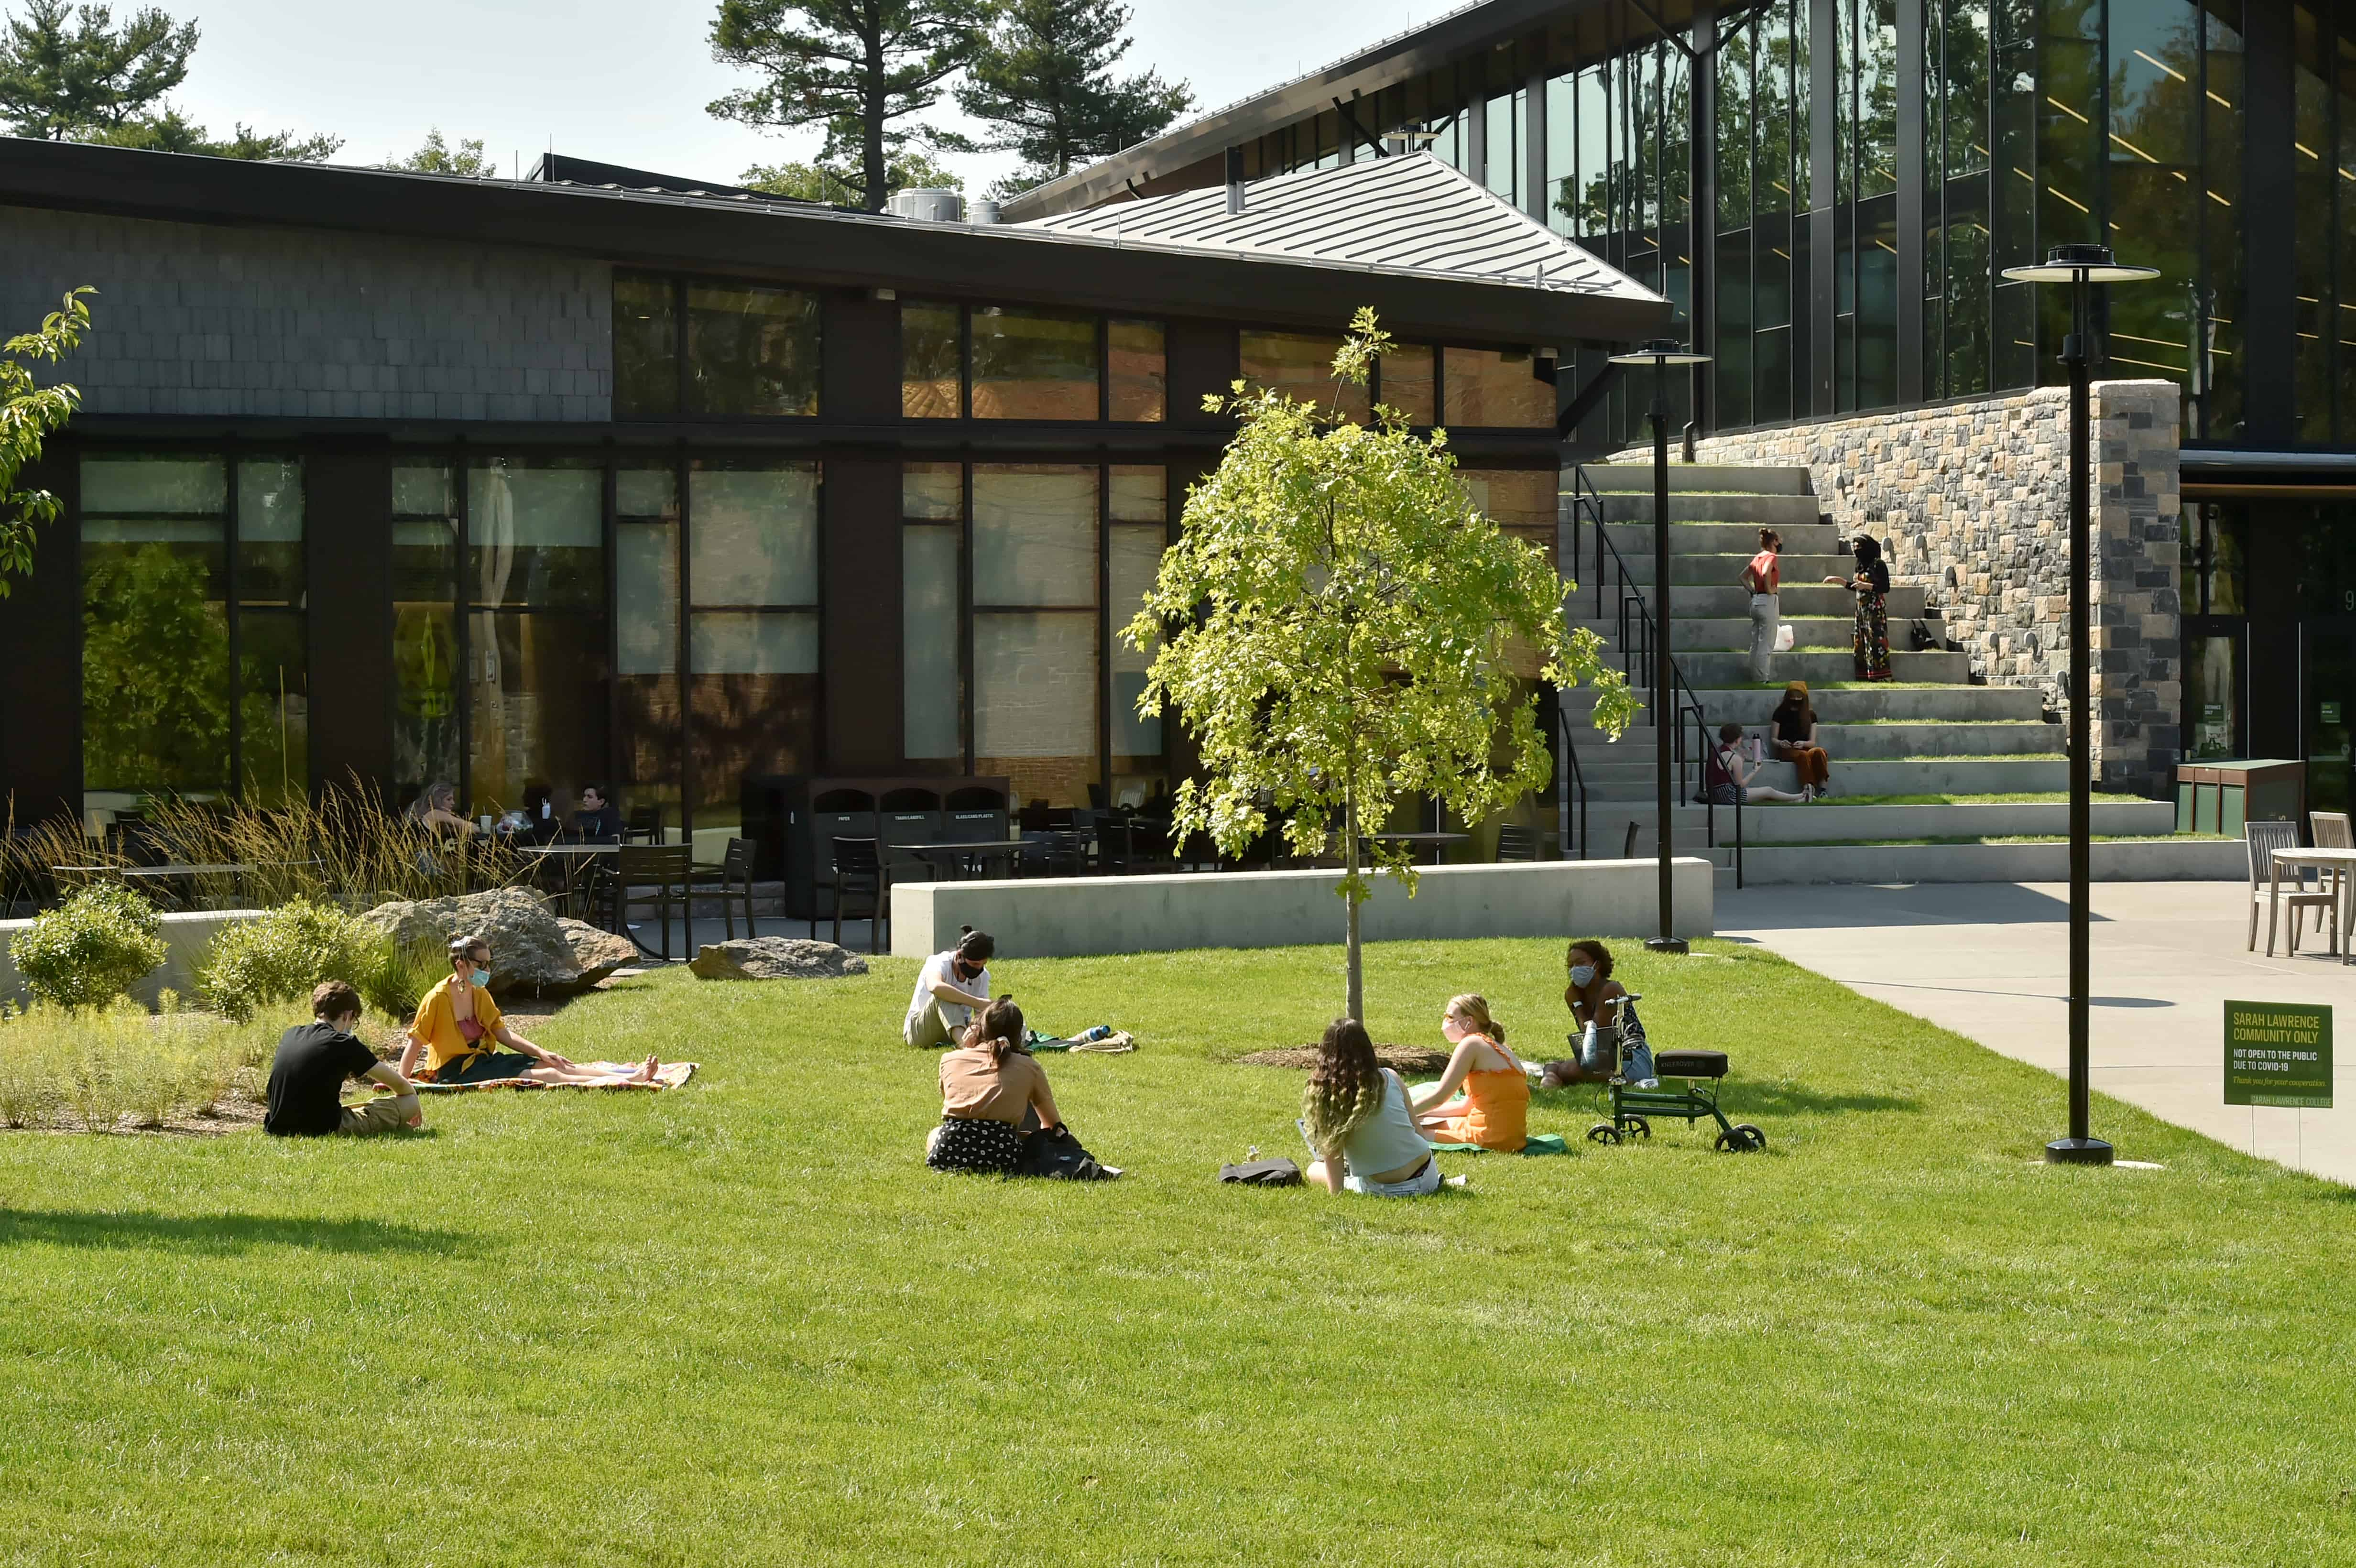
1598	1004
1494	1110
953	986
458	1016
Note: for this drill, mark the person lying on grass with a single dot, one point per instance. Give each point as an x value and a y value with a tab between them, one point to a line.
949	991
313	1059
1494	1110
1354	1115
992	1091
1606	1014
458	1016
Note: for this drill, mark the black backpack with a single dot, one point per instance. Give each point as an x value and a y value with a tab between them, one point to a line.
1277	1172
1055	1153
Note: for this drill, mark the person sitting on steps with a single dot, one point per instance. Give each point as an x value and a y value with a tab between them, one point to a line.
1728	776
1793	739
1494	1110
457	1015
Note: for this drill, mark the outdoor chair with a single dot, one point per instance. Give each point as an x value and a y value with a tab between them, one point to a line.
1517	843
647	876
2331	831
859	872
2263	840
646	825
1628	848
1116	846
729	882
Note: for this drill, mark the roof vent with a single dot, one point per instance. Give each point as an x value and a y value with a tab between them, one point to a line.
983	210
927	204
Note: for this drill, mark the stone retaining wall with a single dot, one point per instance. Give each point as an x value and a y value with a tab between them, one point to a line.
1971	502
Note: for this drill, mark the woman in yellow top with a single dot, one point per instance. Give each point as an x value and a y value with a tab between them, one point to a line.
457	1018
1494	1110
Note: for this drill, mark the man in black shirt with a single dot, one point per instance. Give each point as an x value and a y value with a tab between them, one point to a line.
599	820
306	1078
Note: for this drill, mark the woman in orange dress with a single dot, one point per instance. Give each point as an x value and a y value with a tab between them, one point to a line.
1493	1109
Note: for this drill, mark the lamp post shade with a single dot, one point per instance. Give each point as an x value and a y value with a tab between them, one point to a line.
1660	353
2079	263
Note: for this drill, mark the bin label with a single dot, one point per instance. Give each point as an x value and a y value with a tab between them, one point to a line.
2279	1053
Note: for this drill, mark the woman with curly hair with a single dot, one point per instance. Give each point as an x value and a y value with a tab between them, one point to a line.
1354	1115
1603	1009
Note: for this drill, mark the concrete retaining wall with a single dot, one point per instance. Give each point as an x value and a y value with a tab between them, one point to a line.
2152	861
1069	917
186	937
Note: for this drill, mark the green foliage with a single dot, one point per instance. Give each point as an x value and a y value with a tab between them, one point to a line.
171	131
1345	624
394	978
1045	80
908	168
29	413
104	1062
281	956
854	66
90	949
436	156
155	670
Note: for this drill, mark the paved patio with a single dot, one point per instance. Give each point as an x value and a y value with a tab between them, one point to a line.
1991	962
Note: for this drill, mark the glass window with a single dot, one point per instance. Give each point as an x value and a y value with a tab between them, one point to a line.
932	358
1139	533
155	670
1404	381
1496	387
424	628
646	347
933	492
1140	371
536	657
1035	534
1034	365
932	678
646	634
270	531
751	351
1035	695
1519	500
754	693
2213	694
273	704
1139	495
1301	367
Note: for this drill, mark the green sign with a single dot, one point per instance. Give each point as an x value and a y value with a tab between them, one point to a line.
2279	1053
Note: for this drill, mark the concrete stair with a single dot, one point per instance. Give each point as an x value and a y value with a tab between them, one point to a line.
1928	732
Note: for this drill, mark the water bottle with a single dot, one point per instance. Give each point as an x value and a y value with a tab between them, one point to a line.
1099	1032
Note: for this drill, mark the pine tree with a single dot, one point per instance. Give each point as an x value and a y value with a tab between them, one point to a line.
1045	80
819	182
854	66
65	73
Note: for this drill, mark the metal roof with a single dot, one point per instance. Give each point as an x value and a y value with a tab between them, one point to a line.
1412	214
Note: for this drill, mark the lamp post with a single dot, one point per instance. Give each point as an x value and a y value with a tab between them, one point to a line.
1660	354
2081	267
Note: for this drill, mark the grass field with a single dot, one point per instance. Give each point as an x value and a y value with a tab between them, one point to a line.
741	1323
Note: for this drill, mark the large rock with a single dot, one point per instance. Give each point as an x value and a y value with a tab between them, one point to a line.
598	951
530	950
776	958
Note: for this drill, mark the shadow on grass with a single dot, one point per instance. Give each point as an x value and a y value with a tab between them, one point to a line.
220	1233
1742	1100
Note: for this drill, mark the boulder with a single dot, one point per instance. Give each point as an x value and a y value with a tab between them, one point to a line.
530	953
599	952
776	958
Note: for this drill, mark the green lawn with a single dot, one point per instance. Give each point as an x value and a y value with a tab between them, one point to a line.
741	1324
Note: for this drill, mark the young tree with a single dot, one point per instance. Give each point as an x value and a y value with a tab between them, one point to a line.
1045	79
855	67
1345	625
29	412
436	156
65	73
816	182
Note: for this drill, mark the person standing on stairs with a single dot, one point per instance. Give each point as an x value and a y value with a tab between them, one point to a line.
1763	575
1795	741
1869	644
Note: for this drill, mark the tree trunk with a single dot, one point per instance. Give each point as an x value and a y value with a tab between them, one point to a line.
1356	984
879	177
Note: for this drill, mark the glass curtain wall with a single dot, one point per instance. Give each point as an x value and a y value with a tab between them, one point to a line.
1762	230
2216	628
647	709
1035	628
2323	169
932	599
272	737
1139	531
753	627
1000	362
536	633
426	747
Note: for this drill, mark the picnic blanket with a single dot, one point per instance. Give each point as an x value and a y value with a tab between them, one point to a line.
1112	1044
1539	1143
669	1075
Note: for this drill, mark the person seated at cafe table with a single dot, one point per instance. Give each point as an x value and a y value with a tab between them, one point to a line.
435	809
457	1016
599	820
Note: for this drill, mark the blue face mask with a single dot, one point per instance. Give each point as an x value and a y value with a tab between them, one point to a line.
480	978
1582	975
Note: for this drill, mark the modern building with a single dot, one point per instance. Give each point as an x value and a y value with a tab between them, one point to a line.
605	476
1827	190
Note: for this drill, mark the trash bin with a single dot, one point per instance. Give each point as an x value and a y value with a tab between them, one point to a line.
2218	798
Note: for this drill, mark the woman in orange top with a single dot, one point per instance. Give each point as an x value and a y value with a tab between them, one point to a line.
1494	1110
458	1023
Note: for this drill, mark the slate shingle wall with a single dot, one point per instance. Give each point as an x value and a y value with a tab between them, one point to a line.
196	319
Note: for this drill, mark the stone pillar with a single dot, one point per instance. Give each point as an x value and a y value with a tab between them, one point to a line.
2139	631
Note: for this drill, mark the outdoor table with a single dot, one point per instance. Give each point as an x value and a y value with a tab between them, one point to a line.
179	874
1418	842
961	860
2342	860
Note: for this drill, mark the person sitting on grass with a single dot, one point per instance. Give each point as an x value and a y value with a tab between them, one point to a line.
992	1091
1354	1113
313	1059
1599	1003
950	987
458	1016
1728	776
1494	1110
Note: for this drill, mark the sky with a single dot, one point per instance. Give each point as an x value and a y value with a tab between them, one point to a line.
627	83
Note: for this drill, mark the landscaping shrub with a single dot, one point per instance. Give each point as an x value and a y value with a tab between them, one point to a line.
32	1065
397	977
281	956
90	949
101	1063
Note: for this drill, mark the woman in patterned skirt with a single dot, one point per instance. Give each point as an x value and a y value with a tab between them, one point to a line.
989	1086
1870	643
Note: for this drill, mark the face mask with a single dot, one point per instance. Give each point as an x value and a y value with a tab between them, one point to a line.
481	977
1582	975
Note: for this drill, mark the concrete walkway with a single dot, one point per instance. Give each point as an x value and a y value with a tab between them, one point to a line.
1991	961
